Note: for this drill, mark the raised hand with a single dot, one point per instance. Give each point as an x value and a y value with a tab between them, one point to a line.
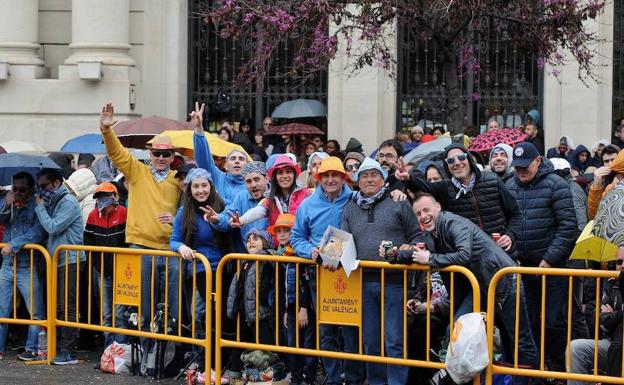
107	117
197	118
209	214
401	172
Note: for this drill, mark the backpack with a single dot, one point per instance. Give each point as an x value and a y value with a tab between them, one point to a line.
162	359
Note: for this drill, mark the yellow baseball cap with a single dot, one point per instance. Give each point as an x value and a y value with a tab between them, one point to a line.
331	163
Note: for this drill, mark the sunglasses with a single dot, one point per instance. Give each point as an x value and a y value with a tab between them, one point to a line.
20	189
162	154
619	261
460	158
353	167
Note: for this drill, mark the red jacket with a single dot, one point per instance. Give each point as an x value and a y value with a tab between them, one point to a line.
106	230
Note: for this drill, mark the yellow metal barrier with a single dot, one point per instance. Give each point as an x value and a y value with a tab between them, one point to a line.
221	342
126	288
541	372
49	321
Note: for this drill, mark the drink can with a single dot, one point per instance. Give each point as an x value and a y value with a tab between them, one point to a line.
388	245
496	237
421	245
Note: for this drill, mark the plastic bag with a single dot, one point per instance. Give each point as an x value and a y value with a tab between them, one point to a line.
116	359
467	353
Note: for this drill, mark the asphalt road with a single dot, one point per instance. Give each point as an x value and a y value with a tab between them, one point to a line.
15	372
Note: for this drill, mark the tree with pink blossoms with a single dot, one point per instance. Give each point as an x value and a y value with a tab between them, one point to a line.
365	28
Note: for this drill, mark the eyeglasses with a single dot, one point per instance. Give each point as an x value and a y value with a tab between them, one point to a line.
388	155
353	167
460	158
161	154
619	261
20	189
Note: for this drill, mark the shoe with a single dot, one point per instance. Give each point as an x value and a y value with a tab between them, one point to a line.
65	359
1	356
27	356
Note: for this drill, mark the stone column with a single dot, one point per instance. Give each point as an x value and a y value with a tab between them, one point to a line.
100	32
18	37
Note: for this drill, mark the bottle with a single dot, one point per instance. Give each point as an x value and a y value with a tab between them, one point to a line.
42	345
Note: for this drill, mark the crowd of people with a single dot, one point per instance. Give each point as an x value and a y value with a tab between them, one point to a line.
484	211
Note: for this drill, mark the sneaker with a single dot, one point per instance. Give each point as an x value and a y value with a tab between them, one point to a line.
65	359
27	356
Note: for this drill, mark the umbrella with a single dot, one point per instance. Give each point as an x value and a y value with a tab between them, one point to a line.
87	143
608	221
19	146
425	149
300	108
136	133
589	246
218	146
488	140
294	129
11	164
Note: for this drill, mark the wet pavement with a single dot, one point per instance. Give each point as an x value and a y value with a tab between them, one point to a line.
16	372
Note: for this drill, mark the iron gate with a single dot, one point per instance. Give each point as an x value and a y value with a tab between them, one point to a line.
214	63
509	83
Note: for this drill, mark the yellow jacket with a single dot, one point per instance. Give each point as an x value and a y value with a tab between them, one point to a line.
146	197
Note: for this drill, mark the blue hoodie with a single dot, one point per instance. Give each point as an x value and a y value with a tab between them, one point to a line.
313	217
227	185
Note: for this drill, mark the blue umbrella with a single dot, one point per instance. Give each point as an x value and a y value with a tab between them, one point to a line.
300	108
87	143
11	164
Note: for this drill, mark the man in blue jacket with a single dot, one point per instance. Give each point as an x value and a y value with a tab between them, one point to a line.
314	215
60	215
17	214
545	239
254	176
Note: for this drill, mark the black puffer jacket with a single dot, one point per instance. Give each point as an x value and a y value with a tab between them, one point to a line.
548	228
489	205
460	242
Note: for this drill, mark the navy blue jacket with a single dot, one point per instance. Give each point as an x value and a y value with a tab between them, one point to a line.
549	228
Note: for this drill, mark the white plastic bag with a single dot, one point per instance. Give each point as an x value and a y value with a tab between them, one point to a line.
467	353
116	359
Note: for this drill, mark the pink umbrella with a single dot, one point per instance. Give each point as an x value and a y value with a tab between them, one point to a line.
488	140
136	133
294	129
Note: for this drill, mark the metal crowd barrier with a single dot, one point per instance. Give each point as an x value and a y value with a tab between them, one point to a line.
48	321
542	371
125	293
280	347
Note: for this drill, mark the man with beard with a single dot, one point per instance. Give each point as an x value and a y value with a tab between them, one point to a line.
500	161
254	176
388	155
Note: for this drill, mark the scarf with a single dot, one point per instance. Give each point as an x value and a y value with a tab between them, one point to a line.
48	194
159	175
104	202
463	189
366	203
